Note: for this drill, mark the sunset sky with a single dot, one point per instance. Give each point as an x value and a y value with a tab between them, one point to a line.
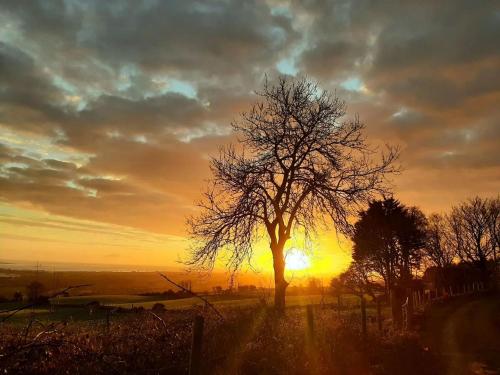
109	110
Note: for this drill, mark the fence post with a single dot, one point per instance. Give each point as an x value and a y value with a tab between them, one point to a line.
405	314
196	345
363	315
379	315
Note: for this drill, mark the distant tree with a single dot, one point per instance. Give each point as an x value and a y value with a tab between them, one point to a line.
358	280
336	287
158	307
247	288
474	226
18	296
314	284
388	240
439	248
300	164
34	290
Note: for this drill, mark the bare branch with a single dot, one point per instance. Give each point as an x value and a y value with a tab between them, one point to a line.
193	294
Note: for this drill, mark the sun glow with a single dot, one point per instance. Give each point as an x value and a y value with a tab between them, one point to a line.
296	260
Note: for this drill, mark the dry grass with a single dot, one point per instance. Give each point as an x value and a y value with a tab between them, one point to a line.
248	341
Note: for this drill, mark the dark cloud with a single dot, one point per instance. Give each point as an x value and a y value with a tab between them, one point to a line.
110	109
175	36
438	34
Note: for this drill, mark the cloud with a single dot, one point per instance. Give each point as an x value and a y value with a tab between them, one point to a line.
109	111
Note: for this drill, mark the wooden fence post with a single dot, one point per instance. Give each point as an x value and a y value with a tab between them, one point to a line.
363	315
405	314
196	346
379	315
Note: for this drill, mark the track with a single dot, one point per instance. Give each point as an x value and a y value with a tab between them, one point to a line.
465	333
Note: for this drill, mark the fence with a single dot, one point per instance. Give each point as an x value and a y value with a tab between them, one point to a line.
421	299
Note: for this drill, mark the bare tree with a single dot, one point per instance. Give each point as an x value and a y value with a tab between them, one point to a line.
359	280
494	226
438	245
472	235
301	164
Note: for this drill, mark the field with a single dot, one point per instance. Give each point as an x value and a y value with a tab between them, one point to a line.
130	333
76	308
122	334
130	301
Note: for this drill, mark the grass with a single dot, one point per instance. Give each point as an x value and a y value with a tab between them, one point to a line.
104	299
249	340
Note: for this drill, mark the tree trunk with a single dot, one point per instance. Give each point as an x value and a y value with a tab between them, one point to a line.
280	283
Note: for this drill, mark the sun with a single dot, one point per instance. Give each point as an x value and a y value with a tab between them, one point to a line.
296	259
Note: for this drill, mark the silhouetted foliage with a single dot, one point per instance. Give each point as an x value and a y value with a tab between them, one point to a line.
474	227
359	279
34	290
452	275
170	294
158	307
301	163
388	240
17	297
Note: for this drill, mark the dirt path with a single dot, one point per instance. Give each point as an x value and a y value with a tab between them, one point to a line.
466	334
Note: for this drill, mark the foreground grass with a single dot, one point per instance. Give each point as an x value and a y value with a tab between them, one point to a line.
248	341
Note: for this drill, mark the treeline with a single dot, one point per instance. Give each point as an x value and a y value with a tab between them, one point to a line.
395	245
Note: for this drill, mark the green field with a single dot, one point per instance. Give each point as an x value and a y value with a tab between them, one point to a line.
129	301
74	308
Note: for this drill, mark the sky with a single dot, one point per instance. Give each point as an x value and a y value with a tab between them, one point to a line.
110	110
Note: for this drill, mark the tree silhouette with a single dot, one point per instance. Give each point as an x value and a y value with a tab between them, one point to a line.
389	237
474	232
494	226
300	164
34	290
359	280
439	245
